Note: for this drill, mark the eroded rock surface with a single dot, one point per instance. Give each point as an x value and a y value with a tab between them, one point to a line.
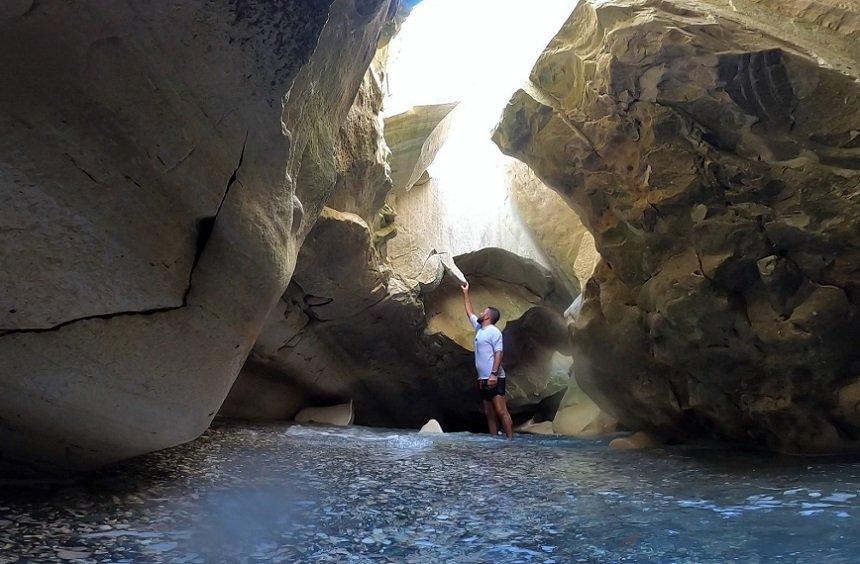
160	168
711	150
414	138
556	228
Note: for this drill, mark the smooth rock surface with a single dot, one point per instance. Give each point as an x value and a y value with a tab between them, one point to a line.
578	416
711	150
414	138
532	428
636	441
338	267
557	229
431	427
338	415
160	169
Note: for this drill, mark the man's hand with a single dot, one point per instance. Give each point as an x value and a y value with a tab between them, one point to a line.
467	303
492	381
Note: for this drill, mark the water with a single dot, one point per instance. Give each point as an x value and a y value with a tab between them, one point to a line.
311	494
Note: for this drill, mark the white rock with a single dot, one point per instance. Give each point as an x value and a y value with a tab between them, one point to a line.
635	441
340	415
542	428
431	426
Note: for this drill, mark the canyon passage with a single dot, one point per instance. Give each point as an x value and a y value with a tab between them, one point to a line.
231	251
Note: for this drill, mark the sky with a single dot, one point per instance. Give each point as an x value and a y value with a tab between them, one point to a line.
477	52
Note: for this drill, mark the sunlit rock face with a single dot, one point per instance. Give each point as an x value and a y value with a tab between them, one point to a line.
160	168
556	228
415	137
578	416
712	152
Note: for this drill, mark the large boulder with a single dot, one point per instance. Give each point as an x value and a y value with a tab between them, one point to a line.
711	150
578	416
160	168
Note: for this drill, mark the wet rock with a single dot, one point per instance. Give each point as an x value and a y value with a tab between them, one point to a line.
340	415
635	441
710	149
848	404
542	428
70	554
431	427
305	494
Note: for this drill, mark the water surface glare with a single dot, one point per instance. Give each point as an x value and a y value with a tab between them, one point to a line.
277	493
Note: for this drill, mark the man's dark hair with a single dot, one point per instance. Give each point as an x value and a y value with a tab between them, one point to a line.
495	314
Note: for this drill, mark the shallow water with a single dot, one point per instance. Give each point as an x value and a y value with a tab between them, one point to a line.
312	494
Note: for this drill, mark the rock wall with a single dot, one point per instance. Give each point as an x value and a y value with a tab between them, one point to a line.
160	168
555	227
711	150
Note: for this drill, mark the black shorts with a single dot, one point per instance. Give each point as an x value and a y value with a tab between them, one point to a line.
489	393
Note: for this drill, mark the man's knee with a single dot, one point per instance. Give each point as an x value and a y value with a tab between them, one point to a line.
500	405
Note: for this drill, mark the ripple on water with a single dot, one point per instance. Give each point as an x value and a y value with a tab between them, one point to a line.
315	494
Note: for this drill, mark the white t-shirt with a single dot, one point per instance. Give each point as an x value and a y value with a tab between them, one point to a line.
488	341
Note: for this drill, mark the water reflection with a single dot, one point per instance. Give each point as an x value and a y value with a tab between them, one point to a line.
306	494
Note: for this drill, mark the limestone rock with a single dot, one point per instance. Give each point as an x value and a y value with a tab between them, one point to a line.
505	265
636	441
161	167
414	137
261	393
542	428
361	156
338	267
339	415
848	404
431	222
431	427
711	150
578	416
444	307
557	229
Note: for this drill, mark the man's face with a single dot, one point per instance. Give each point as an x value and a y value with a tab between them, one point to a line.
485	315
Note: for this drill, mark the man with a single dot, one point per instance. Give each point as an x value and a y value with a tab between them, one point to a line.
488	362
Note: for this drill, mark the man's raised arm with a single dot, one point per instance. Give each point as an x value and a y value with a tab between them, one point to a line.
467	303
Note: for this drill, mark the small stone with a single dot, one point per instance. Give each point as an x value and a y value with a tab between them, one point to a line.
72	554
635	441
431	427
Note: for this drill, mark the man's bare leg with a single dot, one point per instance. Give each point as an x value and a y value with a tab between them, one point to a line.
492	420
501	410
